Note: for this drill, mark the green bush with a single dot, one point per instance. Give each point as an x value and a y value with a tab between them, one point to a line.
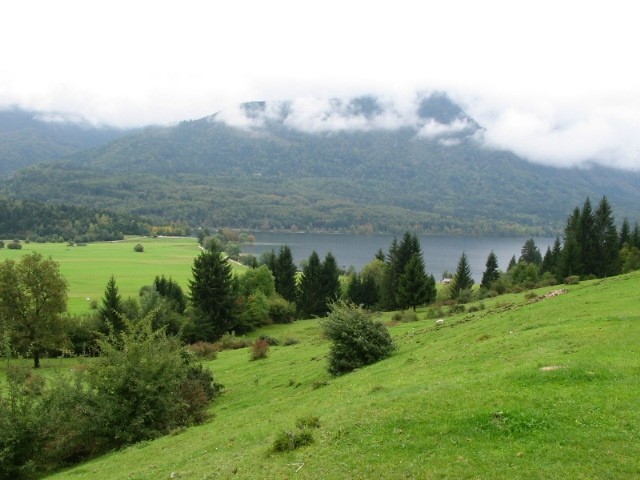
572	280
357	340
405	316
280	310
138	248
288	440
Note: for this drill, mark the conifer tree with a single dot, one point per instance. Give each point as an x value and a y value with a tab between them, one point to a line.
330	281
310	288
212	296
512	263
285	274
587	239
606	261
491	273
415	287
625	232
112	309
530	253
462	280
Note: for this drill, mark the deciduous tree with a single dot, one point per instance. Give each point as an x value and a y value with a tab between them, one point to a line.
33	295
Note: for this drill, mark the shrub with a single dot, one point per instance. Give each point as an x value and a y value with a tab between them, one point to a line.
270	340
229	341
405	316
14	245
572	280
357	340
259	349
1	244
290	341
138	248
280	310
205	350
287	440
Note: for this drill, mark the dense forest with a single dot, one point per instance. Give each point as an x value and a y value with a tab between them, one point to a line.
274	176
39	222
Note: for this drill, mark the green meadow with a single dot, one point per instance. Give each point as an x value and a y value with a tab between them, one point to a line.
88	268
524	387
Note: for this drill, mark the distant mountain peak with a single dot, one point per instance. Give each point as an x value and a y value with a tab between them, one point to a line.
431	115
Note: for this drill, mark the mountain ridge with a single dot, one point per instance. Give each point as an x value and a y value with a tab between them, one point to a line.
430	173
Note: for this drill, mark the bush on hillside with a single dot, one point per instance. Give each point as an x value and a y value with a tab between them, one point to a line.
357	340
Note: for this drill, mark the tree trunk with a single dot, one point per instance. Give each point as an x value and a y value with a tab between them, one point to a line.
36	359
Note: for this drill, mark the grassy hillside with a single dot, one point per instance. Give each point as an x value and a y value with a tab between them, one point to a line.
519	389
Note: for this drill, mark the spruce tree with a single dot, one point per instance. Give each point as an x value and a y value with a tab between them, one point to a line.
330	281
415	287
625	232
491	273
606	261
285	275
587	240
512	263
310	288
212	296
112	311
462	280
530	253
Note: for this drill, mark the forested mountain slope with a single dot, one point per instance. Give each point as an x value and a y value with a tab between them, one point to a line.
27	138
431	174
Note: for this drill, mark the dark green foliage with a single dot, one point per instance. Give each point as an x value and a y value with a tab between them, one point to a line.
512	263
212	297
399	256
607	244
625	232
138	248
491	273
288	440
52	222
257	280
362	290
171	290
356	339
415	287
330	279
530	253
462	280
310	302
112	309
285	274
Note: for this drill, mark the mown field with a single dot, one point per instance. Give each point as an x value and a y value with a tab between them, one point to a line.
520	389
88	268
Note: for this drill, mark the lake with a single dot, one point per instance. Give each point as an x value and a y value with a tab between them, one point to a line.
440	252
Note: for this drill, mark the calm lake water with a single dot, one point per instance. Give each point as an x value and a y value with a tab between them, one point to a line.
440	252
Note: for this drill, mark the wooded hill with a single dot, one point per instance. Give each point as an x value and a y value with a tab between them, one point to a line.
274	175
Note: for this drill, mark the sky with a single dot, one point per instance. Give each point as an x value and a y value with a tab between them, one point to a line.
557	82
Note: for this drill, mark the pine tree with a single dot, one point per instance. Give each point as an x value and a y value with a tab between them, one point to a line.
491	273
310	288
530	253
212	296
415	287
111	312
330	281
625	232
285	275
606	261
462	280
512	263
587	240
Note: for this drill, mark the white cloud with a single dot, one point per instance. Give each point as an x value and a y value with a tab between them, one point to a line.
556	83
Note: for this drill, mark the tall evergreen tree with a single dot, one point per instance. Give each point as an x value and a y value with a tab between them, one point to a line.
530	253
587	239
212	296
285	275
171	290
310	302
112	310
415	287
606	261
491	273
625	232
390	278
570	262
462	280
512	263
635	236
330	280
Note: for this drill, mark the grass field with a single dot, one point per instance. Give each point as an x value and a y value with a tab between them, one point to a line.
88	268
520	389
